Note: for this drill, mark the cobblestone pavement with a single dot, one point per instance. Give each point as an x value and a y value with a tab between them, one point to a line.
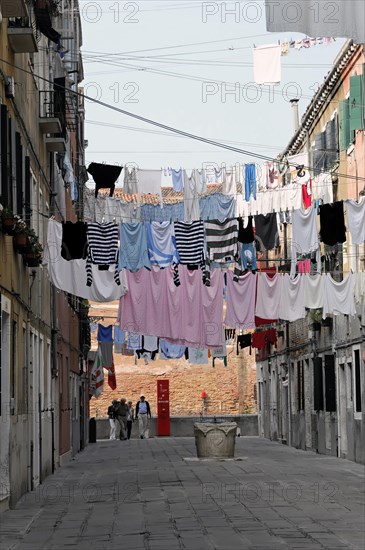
153	494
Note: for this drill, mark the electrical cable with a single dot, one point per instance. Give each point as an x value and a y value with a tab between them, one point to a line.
164	126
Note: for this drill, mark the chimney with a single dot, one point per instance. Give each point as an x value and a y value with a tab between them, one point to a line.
294	105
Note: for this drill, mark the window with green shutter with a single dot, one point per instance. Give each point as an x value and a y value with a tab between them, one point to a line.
346	134
356	108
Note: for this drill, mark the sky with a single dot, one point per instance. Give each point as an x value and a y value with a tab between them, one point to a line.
188	65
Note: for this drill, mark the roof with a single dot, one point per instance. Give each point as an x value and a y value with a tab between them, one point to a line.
169	196
319	100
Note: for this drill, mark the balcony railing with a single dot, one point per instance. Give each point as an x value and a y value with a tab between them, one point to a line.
22	34
52	121
14	8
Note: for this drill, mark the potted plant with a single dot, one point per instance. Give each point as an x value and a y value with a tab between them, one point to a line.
21	232
7	220
33	254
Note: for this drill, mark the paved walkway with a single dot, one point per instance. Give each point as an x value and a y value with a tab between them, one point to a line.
152	494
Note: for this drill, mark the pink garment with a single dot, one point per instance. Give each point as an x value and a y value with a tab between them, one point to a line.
241	297
190	314
268	296
304	266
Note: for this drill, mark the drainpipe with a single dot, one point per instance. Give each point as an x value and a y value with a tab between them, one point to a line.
294	105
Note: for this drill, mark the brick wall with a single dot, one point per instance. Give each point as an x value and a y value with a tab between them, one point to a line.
230	389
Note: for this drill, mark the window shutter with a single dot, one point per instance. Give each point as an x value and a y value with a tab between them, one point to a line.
19	174
330	382
334	138
319	155
27	190
317	384
5	191
356	108
347	136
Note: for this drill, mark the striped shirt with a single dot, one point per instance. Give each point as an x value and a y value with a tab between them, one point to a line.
103	248
190	242
222	245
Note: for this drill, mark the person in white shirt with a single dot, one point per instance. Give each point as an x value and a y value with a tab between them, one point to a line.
143	412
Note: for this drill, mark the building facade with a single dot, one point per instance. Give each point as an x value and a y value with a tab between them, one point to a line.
311	386
43	383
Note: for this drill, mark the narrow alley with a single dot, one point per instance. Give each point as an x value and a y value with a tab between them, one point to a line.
155	494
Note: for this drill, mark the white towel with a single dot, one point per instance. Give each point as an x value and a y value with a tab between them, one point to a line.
267	64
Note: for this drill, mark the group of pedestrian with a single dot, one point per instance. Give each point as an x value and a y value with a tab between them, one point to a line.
121	413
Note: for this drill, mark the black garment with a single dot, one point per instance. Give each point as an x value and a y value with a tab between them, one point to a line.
243	341
74	241
111	412
229	333
129	428
333	229
153	354
148	409
44	24
105	176
245	234
267	234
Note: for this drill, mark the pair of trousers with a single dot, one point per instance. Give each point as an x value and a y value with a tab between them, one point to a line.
248	256
129	428
123	427
142	424
112	428
250	181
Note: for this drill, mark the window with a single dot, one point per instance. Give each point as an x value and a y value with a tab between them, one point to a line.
346	136
350	384
14	354
300	386
356	103
317	384
330	382
357	375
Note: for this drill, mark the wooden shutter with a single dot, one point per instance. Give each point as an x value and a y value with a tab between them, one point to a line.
345	138
5	191
330	382
317	384
319	155
27	201
356	108
19	174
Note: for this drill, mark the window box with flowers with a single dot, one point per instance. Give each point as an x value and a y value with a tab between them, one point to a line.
8	220
21	234
32	255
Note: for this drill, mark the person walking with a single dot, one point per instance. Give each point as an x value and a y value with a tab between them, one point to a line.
143	412
121	412
130	418
112	419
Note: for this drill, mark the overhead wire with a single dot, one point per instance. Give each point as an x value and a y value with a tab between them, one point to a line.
161	125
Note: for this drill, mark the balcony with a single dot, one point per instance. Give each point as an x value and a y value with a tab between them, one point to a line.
21	35
55	144
13	8
50	121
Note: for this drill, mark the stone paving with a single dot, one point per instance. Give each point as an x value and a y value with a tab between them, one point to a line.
153	494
